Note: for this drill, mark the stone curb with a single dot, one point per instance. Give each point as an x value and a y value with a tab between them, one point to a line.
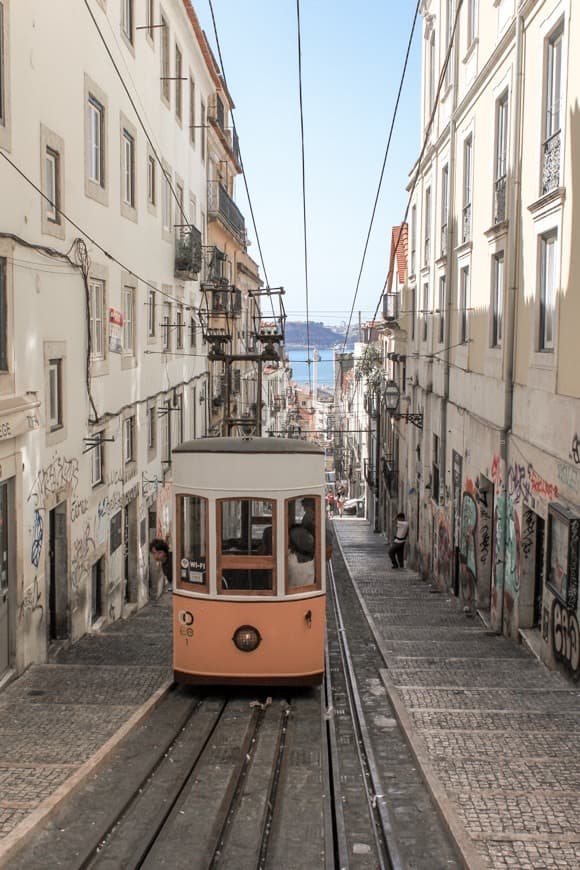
41	813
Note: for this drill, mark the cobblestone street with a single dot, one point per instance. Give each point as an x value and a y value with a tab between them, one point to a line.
496	733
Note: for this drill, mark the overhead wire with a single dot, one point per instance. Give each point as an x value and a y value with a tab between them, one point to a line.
304	223
382	172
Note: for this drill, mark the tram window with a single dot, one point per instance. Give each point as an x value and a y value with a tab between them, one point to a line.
192	540
302	534
246	530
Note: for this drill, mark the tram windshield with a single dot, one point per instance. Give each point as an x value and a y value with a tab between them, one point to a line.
246	530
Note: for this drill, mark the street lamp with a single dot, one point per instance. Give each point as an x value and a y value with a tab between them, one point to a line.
392	397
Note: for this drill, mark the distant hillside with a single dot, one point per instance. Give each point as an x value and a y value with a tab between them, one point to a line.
320	335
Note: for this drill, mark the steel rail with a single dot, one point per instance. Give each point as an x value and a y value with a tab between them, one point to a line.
338	856
381	815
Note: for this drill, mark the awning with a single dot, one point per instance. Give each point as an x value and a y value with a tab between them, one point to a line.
18	415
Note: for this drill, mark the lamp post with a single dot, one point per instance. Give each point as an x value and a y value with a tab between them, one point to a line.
392	397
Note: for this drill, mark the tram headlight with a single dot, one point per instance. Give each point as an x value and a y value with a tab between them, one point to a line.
246	638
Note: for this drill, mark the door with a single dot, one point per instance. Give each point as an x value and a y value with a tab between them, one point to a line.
5	557
539	570
152	534
131	545
97	576
58	596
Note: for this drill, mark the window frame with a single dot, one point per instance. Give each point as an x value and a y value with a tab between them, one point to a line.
467	189
129	322
317	585
96	156
94	328
427	227
98	460
129	439
442	300
497	298
128	160
55	394
253	562
548	238
128	20
178	84
166	327
165	60
191	110
179	582
444	208
464	296
4	343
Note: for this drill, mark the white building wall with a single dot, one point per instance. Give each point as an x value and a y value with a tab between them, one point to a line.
50	76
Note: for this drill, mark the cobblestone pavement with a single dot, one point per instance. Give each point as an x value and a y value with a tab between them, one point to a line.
496	733
58	719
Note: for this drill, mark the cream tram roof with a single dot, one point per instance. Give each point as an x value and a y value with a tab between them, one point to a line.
251	465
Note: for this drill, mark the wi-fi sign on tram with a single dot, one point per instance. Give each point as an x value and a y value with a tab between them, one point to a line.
249	584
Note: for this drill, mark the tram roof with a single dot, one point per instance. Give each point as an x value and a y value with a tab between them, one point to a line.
248	445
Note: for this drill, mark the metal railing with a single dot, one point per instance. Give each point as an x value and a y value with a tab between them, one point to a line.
220	203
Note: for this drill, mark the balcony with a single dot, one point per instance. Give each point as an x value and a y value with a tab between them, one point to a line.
188	254
466	224
390	307
499	200
221	206
551	163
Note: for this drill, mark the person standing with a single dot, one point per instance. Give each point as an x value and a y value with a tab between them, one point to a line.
397	548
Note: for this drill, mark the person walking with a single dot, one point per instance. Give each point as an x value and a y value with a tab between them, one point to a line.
397	548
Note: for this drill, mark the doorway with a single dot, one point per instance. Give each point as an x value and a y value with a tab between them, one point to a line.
58	595
97	578
131	549
6	573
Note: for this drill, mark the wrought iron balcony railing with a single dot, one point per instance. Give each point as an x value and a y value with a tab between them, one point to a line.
499	200
220	204
551	163
466	227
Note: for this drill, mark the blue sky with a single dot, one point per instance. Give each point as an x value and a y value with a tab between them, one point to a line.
352	58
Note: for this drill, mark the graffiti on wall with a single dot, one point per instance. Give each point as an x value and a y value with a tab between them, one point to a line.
61	473
566	637
443	564
575	449
37	538
164	511
524	484
32	602
495	472
569	476
82	557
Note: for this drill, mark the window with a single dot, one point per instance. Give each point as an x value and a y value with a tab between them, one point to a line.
425	310
129	439
127	19
166	341
55	394
202	124
442	303
193	211
413	239
151	179
302	542
165	72
97	323
246	531
150	8
432	70
427	227
52	169
191	111
96	157
467	171
178	85
192	541
152	427
166	203
413	311
179	328
471	21
180	216
444	208
435	469
192	333
97	457
497	299
501	147
151	314
449	17
128	181
552	113
129	320
3	317
547	289
464	304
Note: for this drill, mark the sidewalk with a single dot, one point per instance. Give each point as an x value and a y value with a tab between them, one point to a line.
496	734
58	722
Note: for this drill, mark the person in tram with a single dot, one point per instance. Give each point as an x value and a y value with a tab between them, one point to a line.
309	523
301	570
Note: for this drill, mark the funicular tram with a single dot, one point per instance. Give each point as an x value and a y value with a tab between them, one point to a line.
249	585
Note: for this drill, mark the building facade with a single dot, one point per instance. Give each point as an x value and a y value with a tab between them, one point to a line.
103	211
490	480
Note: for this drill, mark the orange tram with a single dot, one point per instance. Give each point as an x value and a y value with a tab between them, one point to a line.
249	585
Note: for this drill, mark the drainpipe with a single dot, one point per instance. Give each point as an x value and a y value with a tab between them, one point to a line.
377	460
512	295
